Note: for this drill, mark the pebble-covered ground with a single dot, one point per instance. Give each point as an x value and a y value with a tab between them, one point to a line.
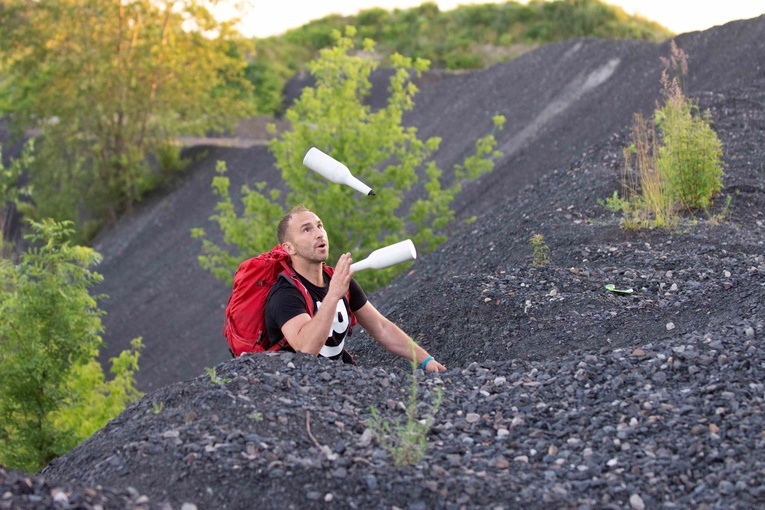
559	393
708	273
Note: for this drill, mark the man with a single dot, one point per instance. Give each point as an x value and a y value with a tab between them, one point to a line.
301	234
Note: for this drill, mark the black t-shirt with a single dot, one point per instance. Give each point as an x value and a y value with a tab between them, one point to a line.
285	302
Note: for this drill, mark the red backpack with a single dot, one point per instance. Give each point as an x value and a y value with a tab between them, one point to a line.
245	323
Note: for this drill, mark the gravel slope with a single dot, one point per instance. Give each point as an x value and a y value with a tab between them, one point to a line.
558	394
560	101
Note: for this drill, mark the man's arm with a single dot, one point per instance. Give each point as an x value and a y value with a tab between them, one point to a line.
393	338
309	334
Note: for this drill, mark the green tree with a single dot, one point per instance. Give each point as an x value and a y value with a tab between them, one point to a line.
383	153
52	391
108	84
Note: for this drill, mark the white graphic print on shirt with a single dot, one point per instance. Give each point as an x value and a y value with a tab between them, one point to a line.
338	331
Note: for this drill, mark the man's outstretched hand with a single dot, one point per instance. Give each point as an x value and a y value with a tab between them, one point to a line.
434	366
341	279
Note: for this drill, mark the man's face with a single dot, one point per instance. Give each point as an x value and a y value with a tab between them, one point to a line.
306	238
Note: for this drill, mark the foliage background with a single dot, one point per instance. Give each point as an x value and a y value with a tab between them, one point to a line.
108	86
386	155
466	38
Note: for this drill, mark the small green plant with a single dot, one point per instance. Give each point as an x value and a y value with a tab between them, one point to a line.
157	407
256	416
406	441
613	203
541	250
214	377
719	217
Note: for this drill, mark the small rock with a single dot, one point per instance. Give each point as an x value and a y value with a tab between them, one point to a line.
472	417
366	438
636	502
501	463
726	487
670	326
60	497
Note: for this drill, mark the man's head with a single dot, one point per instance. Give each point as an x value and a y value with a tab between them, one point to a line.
301	233
281	229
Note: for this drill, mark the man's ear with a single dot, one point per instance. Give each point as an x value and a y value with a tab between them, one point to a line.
287	246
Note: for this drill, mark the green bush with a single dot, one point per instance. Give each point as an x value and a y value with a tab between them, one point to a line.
690	155
674	163
52	390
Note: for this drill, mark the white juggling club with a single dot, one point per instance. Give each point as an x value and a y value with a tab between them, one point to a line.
387	256
330	168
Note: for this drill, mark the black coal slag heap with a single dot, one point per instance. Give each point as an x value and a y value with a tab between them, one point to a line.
559	393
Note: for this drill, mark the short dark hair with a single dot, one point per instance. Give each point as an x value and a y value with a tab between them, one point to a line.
281	230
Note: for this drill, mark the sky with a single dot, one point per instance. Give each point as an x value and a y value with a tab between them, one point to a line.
264	18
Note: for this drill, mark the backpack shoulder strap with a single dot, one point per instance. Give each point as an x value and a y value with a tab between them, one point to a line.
291	276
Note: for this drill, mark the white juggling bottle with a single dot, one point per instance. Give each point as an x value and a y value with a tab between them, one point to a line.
387	256
331	169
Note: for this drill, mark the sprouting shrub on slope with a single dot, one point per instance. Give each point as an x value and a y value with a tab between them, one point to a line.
674	163
690	155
